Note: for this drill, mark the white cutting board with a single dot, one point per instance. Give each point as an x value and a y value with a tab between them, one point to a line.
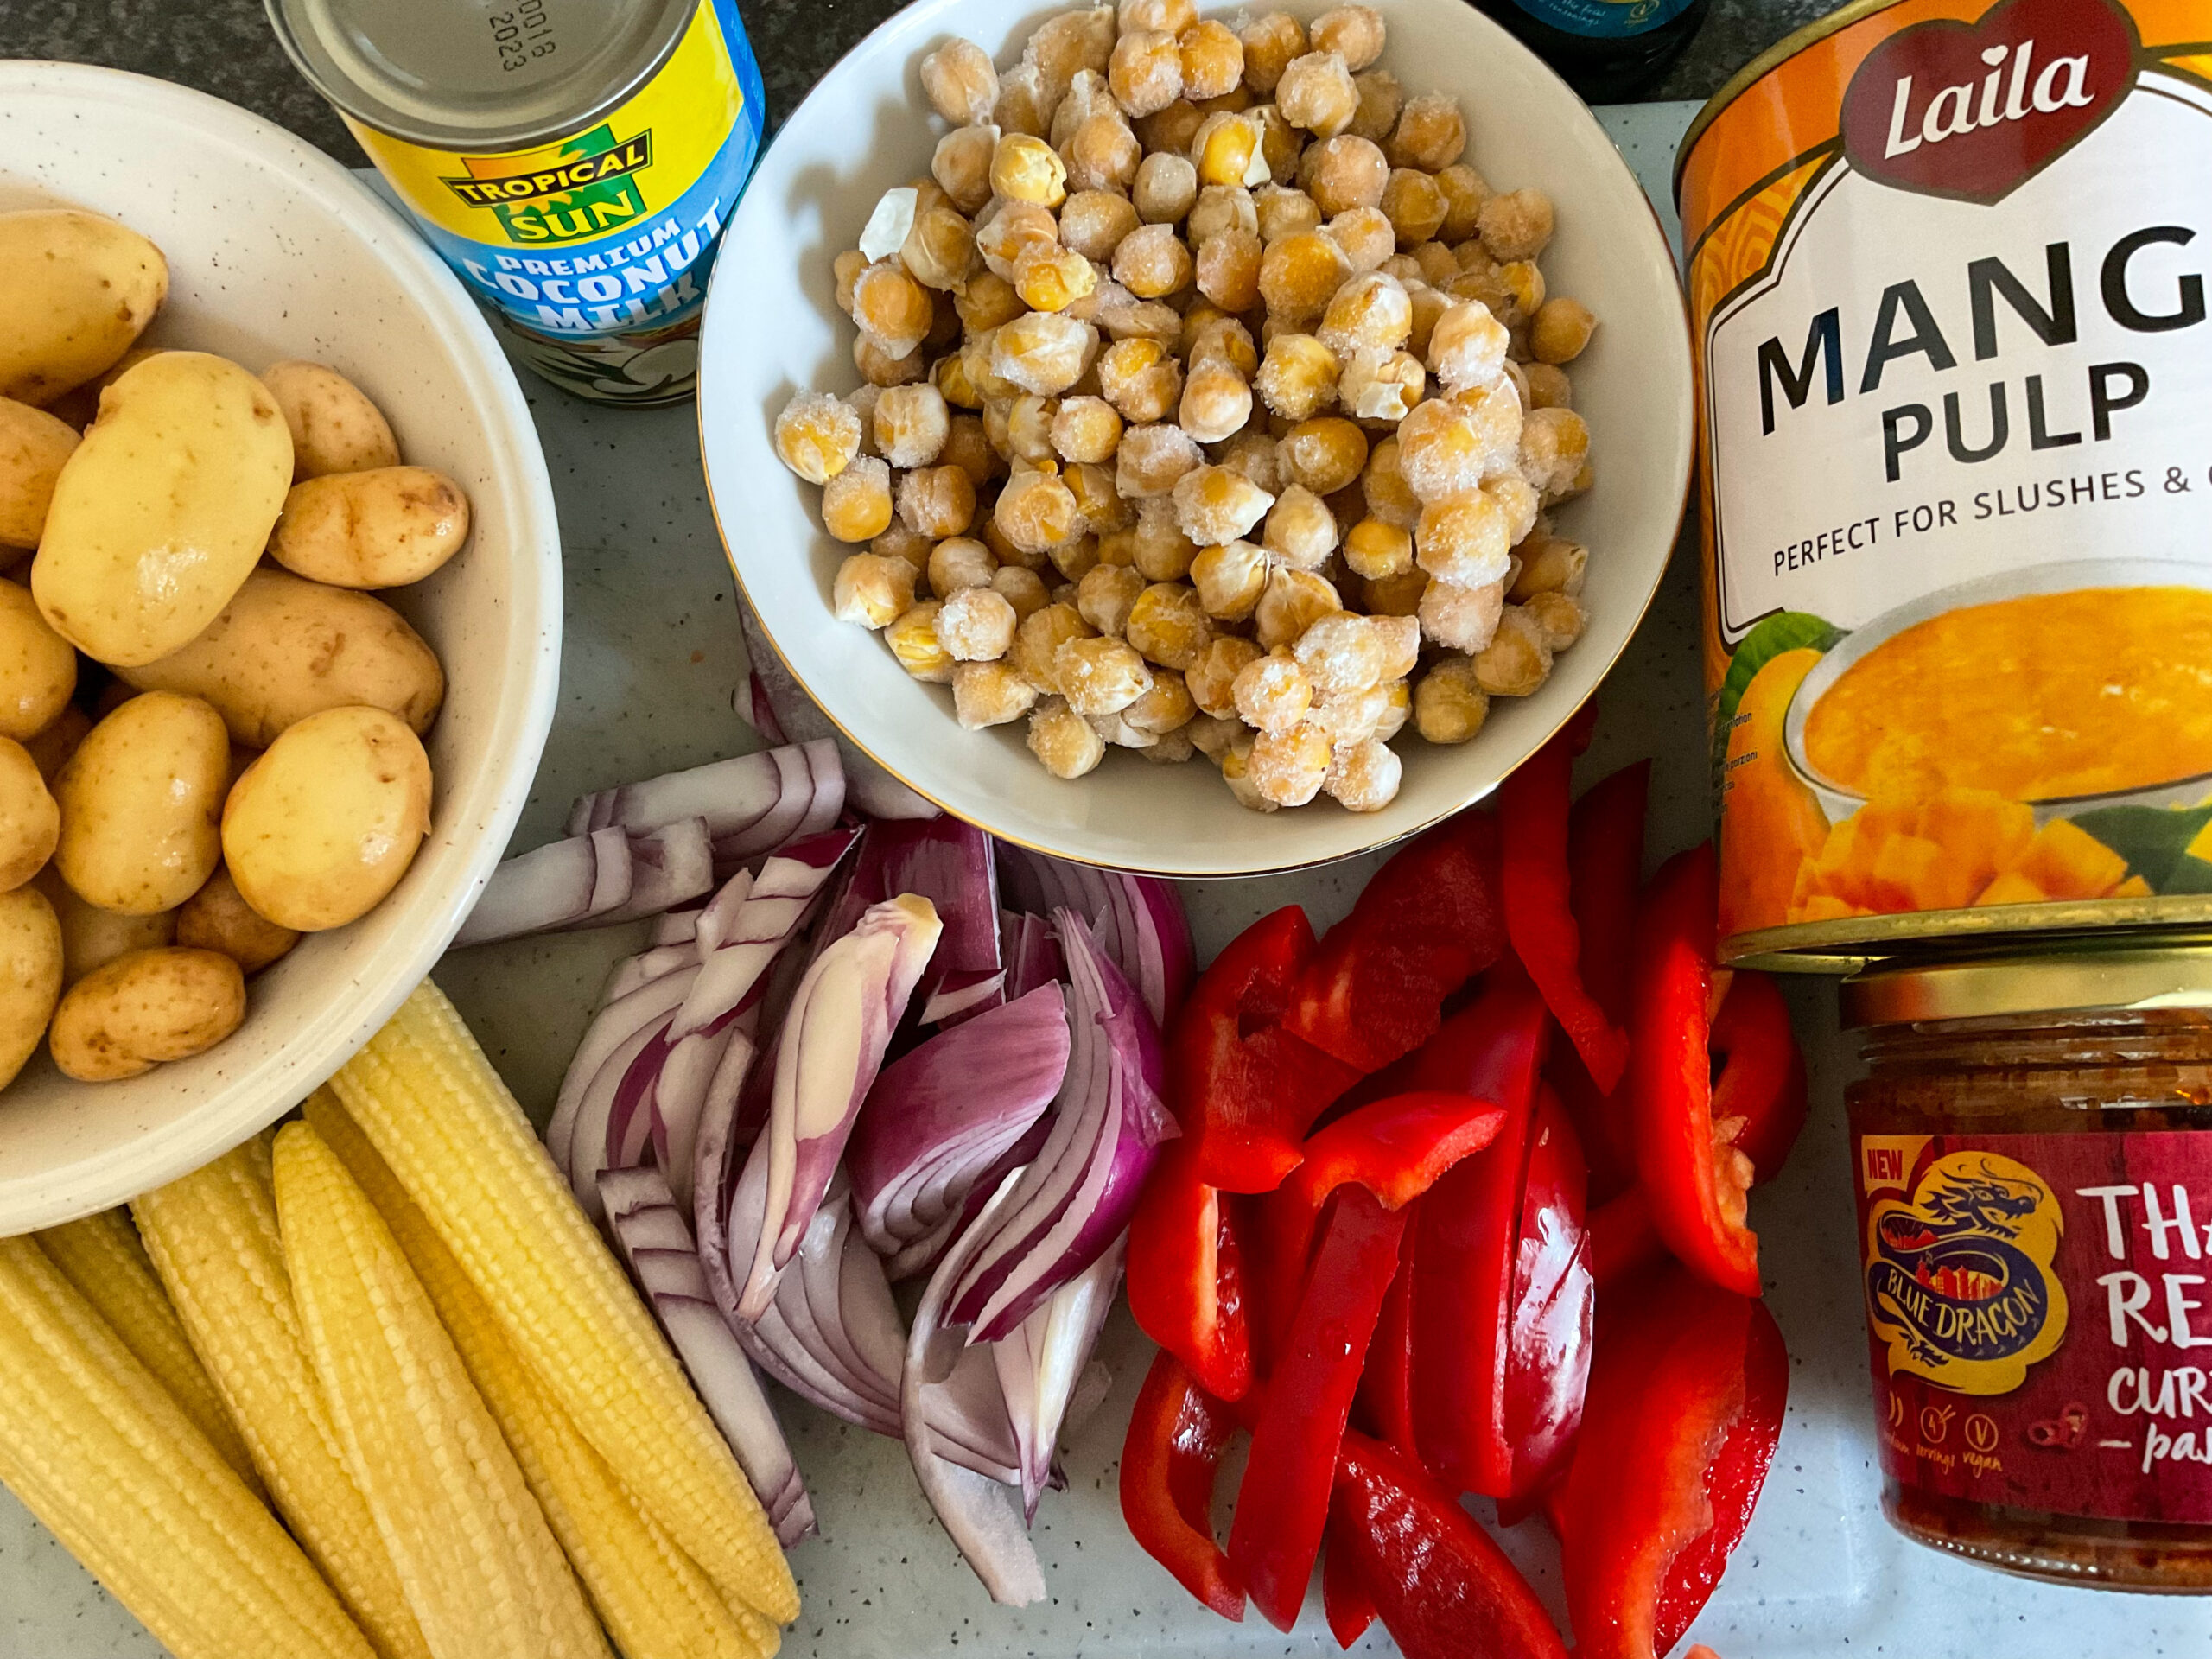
653	657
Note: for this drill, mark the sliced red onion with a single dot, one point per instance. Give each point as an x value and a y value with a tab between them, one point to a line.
758	712
753	919
1109	1121
828	1053
633	972
974	1510
603	1112
678	926
919	1257
672	865
949	863
1137	919
942	1114
650	1231
1041	1362
562	884
1030	953
619	1020
732	795
696	1064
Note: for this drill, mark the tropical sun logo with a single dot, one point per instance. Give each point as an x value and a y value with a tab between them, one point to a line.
1959	1279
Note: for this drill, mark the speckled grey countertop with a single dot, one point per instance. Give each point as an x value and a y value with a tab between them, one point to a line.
224	47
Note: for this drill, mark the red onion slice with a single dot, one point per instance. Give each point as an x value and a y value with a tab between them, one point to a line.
732	795
1138	920
1042	1361
678	926
583	880
672	865
633	973
618	1021
874	790
739	939
1030	953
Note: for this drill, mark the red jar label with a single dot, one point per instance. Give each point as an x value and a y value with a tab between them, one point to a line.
2037	1305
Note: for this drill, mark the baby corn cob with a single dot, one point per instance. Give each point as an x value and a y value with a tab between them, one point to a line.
213	1238
98	1450
439	1114
102	1257
653	1598
482	1571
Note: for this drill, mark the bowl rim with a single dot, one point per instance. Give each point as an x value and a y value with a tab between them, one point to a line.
1501	41
488	806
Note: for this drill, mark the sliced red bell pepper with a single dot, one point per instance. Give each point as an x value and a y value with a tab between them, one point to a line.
1168	1464
1385	1405
1676	1437
1443	1588
1344	1600
1186	1275
1605	863
1283	1502
1696	1179
1762	1082
1428	921
1539	914
1470	1228
1623	1241
1547	1340
1244	1088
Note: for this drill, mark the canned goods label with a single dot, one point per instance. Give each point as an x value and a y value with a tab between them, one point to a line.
2038	1310
1604	20
1947	269
595	249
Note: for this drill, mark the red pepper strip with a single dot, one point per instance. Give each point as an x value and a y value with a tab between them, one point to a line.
1345	1601
1539	917
1168	1463
1605	864
1547	1352
1763	1081
1696	1179
1428	922
1623	1241
1244	1088
1283	1504
1668	1387
1186	1275
1469	1227
1386	1386
1444	1589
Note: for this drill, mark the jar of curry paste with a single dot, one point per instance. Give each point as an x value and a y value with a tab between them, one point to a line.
1947	268
573	161
2034	1182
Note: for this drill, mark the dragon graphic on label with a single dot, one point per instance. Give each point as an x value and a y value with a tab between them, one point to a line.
1958	1279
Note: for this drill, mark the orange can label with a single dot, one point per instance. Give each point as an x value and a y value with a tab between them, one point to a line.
1947	267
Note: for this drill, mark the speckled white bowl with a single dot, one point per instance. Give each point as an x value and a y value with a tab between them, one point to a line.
772	327
275	251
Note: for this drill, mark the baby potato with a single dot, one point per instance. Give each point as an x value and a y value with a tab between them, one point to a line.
218	918
381	528
334	427
163	509
29	822
146	1006
285	648
30	976
33	446
76	291
141	802
92	938
38	667
325	823
80	406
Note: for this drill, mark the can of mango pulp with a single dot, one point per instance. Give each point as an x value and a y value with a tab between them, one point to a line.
574	161
1947	264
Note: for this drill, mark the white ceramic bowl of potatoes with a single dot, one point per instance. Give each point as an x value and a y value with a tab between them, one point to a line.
273	684
1190	463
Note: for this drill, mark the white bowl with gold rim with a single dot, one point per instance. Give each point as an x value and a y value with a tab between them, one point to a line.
772	327
276	250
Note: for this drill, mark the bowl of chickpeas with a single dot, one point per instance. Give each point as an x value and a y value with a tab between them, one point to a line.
1248	435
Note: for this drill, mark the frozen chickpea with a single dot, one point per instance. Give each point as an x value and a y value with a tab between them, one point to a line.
1029	429
1212	734
1025	103
1518	658
1380	99
1272	693
1495	413
1438	264
1092	224
1023	589
1548	386
1431	133
1301	531
901	541
1300	273
1102	153
1168	625
1099	676
1550	566
1289	767
1464	618
913	641
1213	60
872	590
1146	71
1518	499
1036	512
1086	428
1037	642
1372	311
960	561
1365	235
1429	306
1220	208
1353	33
998	423
1413	205
1352	716
937	501
1226	146
1151	261
1344	172
1256	456
1401	645
857	503
1341	652
1398	595
1228	579
1325	454
1152	460
1554	444
1072	44
1105	596
1169	16
1215	505
1163	708
1272	42
1101	506
1388	496
1042	352
940	249
1316	93
1167	186
1211	681
1074	559
976	624
1449	706
961	164
1169	131
1559	329
1374	549
816	437
1235	771
1464	192
1004	551
1159	550
1216	402
1464	538
1283	210
1063	739
1517	225
1467	346
1292	602
845	270
1363	777
1279	143
1124	316
987	301
1211	336
1227	269
1397	709
990	693
1441	453
1559	617
891	308
1524	285
960	82
1139	379
1482	281
1026	168
1006	228
1298	377
911	423
1051	278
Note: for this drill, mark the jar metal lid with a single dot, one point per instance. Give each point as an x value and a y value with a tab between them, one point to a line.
2171	974
469	76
